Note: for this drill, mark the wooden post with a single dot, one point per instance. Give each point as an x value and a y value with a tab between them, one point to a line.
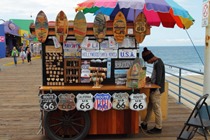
207	51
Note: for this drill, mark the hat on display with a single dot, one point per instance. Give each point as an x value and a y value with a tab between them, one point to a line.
147	54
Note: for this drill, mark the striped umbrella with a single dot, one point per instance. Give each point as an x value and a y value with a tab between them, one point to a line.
165	12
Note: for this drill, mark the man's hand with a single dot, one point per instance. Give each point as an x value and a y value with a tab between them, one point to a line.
148	79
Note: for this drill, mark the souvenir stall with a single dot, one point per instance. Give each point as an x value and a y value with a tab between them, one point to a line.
93	80
9	38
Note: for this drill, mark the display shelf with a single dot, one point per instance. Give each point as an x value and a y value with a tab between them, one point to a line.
72	70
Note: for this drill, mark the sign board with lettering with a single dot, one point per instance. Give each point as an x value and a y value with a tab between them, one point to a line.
138	102
120	101
84	102
71	49
127	53
99	53
123	64
66	102
102	101
48	102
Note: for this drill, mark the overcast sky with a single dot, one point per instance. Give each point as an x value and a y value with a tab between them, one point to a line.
160	36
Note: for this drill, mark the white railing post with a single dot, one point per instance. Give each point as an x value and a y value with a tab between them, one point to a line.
180	83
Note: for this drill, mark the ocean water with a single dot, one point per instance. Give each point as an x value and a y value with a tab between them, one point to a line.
181	56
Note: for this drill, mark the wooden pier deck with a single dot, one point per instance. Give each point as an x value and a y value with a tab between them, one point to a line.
20	115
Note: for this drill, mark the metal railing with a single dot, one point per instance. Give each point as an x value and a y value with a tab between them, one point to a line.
185	85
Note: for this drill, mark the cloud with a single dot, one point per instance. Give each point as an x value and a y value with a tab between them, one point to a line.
23	9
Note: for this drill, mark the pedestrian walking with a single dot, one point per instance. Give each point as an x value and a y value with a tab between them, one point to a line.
28	55
15	54
22	55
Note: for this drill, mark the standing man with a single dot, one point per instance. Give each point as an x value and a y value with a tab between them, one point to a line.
15	54
158	78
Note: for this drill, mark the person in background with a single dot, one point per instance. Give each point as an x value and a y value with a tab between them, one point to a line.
22	55
26	48
28	55
15	54
158	78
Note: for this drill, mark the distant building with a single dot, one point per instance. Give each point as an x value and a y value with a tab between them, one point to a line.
15	32
9	37
24	31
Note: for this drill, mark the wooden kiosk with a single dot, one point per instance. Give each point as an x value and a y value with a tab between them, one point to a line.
69	74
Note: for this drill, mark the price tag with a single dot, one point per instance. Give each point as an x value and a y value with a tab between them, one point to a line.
66	102
138	102
48	102
102	101
120	101
84	102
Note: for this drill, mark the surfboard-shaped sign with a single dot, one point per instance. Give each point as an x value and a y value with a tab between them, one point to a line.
61	26
140	28
80	27
119	27
41	27
99	27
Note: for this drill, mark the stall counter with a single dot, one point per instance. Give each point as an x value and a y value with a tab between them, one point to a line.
111	121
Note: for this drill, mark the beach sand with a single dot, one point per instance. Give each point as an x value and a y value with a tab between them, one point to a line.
187	87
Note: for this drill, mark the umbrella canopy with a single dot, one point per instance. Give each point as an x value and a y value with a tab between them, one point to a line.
156	12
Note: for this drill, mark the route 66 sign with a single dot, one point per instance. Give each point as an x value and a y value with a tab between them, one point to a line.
48	102
84	102
138	102
120	101
66	102
102	101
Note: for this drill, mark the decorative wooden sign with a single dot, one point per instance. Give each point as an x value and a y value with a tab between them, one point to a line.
102	101
41	27
61	26
138	102
120	101
66	102
99	27
80	27
84	102
119	27
48	102
141	28
136	76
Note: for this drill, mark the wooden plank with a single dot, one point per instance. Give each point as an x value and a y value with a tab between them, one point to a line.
93	126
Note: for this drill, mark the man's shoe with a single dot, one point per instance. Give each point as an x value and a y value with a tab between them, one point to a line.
144	126
154	131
